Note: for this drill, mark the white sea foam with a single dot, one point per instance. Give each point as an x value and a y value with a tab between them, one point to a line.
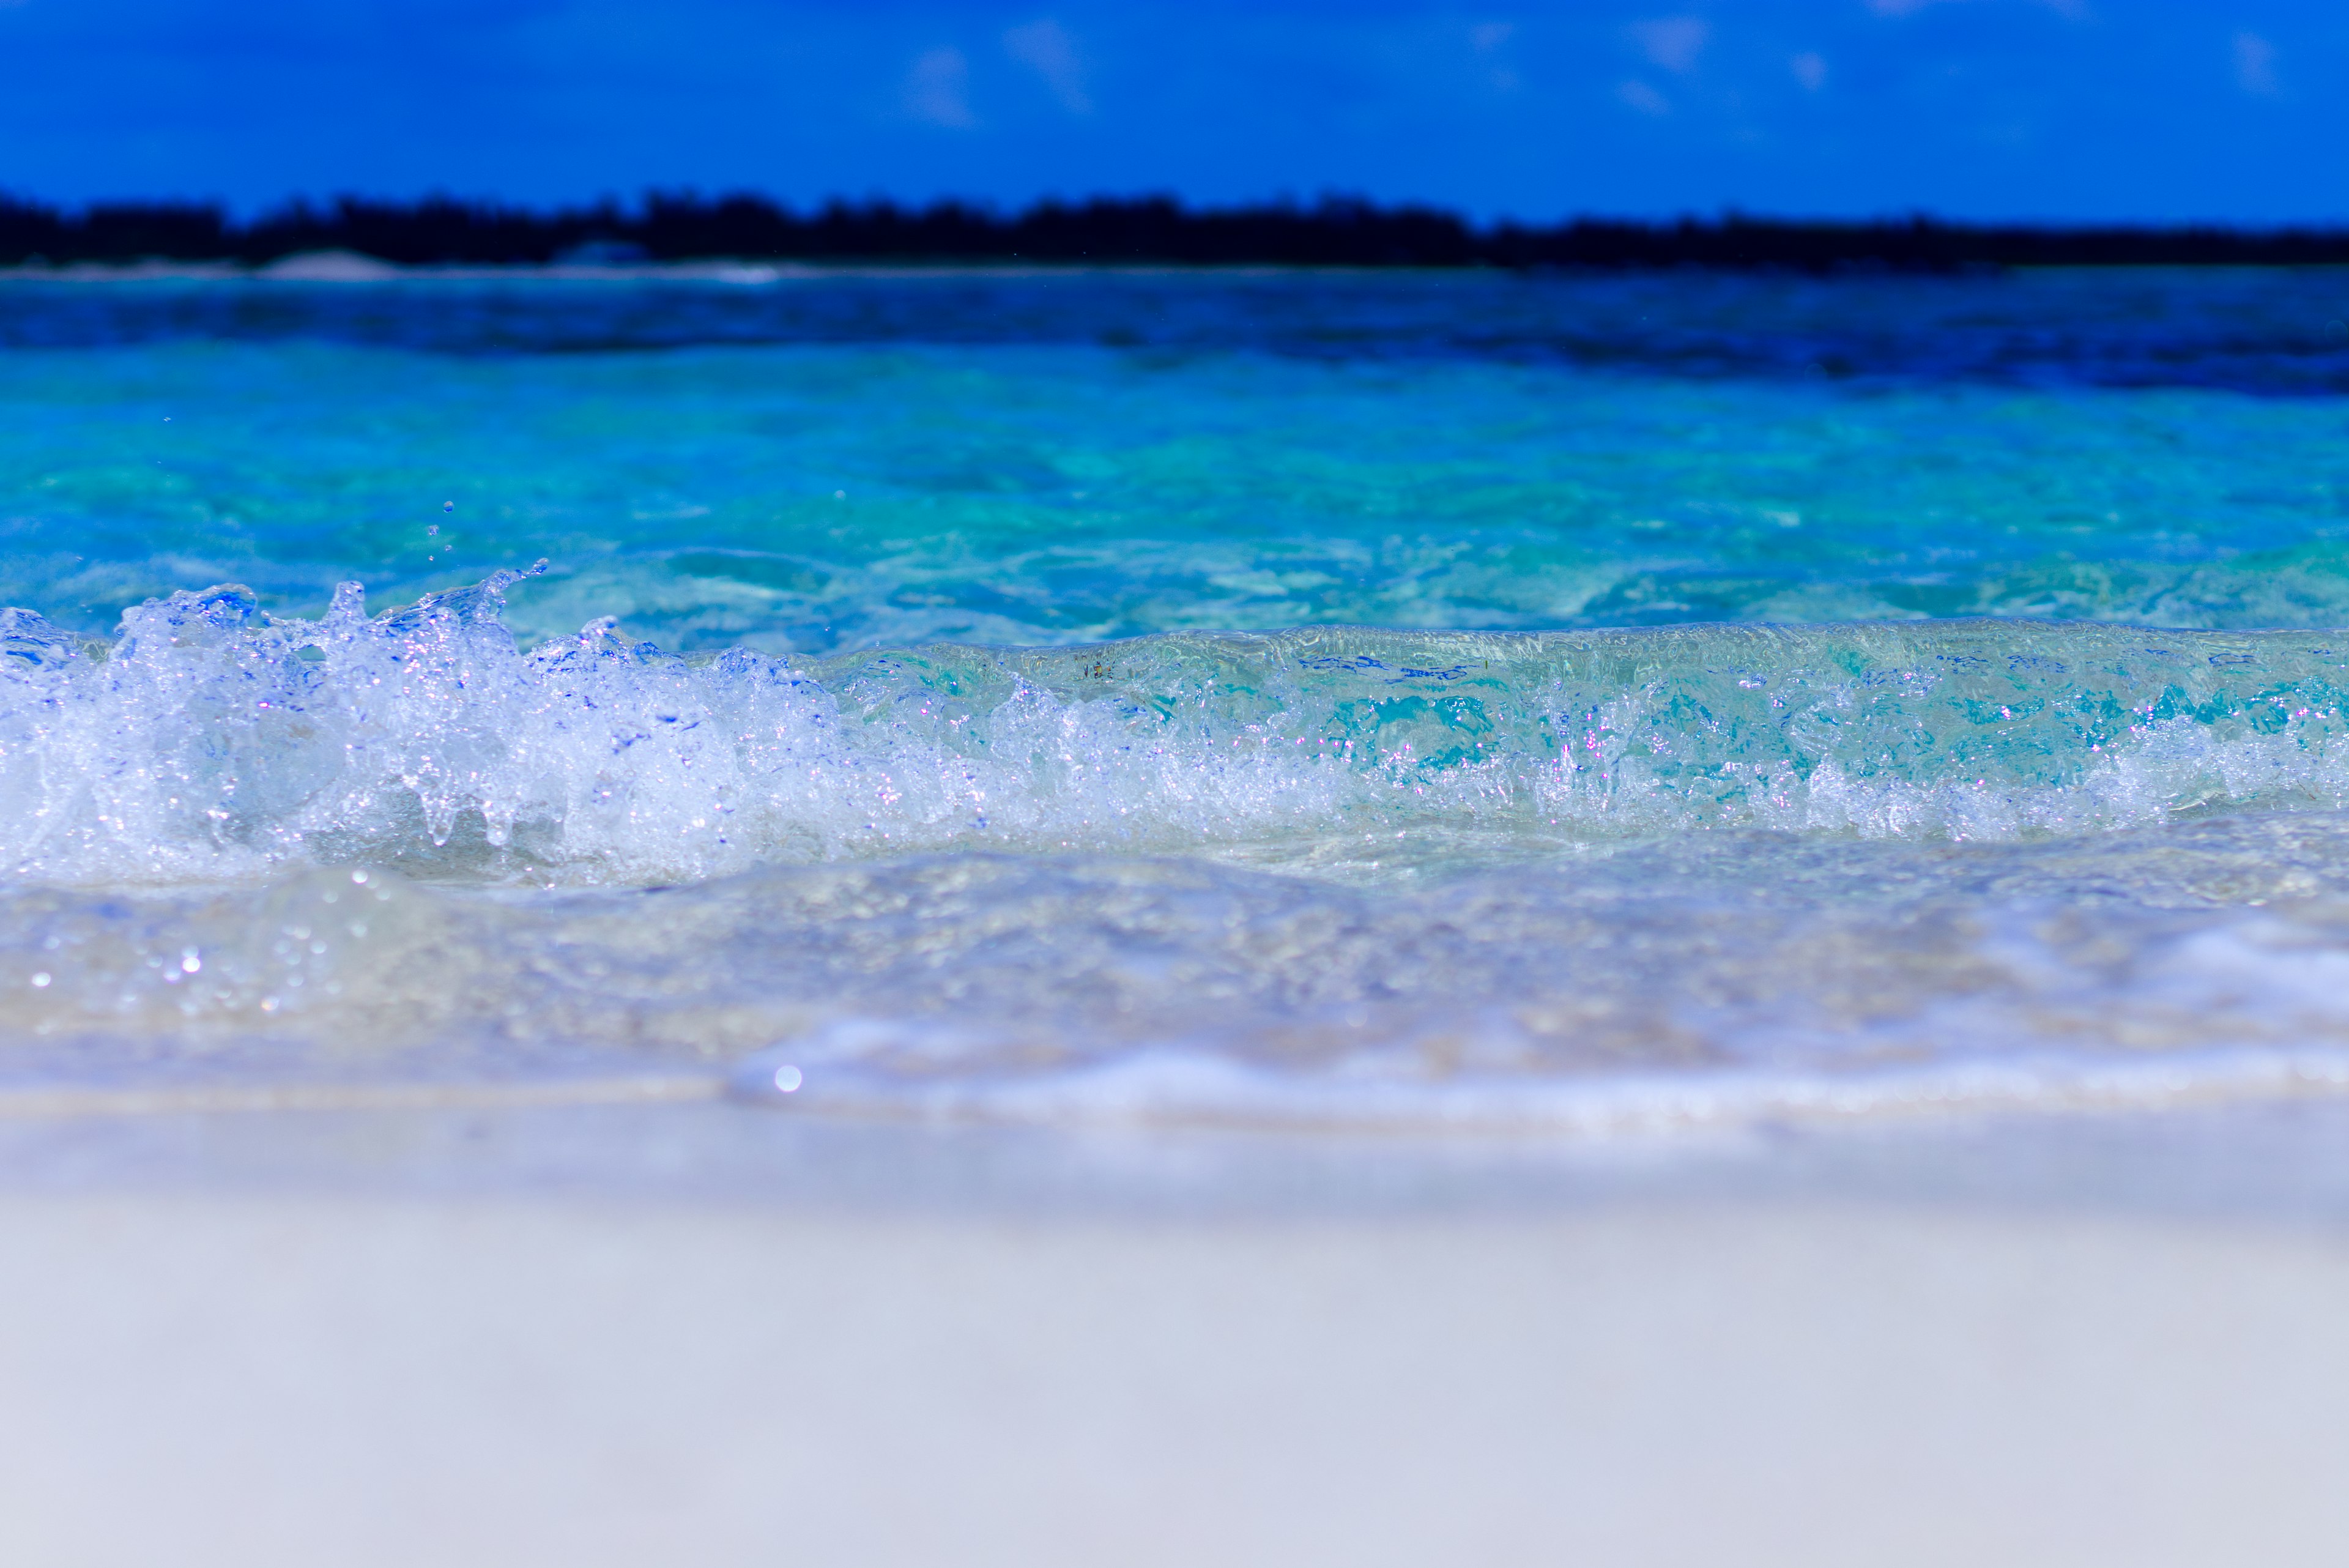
212	741
1747	976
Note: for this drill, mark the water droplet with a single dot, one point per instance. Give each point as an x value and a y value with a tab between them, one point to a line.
40	979
787	1079
191	963
447	506
359	878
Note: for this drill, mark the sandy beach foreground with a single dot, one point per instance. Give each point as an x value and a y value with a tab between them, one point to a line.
701	1335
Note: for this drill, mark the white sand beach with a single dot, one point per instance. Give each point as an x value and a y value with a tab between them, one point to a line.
265	1341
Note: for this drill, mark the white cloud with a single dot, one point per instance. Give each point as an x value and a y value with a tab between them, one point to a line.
2070	10
1639	95
2255	61
938	90
1810	69
1045	47
1671	42
1488	39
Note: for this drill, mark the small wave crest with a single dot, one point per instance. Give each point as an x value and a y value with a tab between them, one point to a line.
212	740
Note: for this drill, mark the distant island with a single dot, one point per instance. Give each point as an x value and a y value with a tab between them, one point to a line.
1142	231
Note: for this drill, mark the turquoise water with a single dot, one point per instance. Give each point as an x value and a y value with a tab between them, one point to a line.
1553	702
808	498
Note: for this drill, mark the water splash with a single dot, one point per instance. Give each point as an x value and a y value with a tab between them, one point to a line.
210	741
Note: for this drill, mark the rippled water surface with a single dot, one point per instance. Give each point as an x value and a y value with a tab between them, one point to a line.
1477	700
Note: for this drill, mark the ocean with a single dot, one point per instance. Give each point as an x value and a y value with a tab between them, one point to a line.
1454	701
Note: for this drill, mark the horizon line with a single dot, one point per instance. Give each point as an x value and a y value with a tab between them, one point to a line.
1336	230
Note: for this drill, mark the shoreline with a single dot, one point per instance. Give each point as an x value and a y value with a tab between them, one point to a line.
2259	1162
1174	1095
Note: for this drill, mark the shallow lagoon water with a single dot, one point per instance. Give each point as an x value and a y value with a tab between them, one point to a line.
1471	702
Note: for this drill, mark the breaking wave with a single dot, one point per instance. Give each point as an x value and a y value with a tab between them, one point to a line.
210	741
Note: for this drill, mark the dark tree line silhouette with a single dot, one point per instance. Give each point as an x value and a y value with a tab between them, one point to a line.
684	228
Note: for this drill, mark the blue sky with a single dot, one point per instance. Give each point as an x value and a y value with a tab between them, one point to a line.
2161	109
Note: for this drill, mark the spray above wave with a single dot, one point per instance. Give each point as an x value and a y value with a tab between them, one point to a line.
210	741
